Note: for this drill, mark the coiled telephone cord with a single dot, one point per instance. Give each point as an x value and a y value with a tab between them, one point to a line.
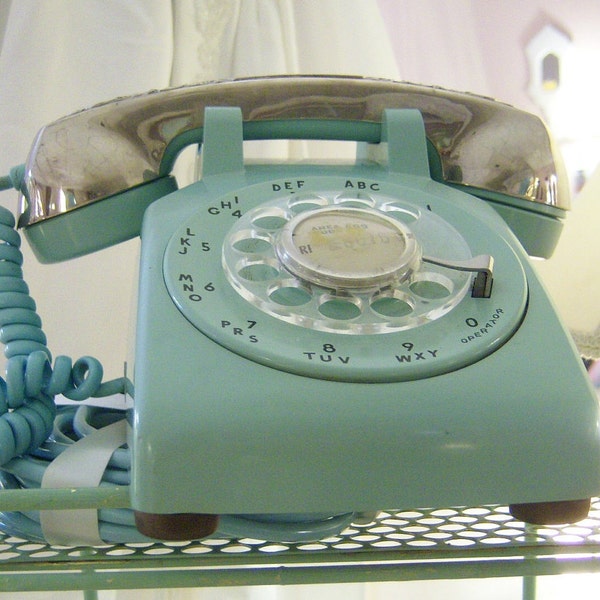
27	407
72	423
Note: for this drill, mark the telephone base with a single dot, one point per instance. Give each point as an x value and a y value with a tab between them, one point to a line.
309	357
176	527
551	513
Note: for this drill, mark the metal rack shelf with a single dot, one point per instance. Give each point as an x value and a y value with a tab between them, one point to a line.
452	543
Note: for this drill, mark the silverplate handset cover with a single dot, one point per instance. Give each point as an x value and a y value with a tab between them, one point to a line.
111	147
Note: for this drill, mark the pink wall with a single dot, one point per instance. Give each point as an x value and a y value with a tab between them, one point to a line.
510	24
478	45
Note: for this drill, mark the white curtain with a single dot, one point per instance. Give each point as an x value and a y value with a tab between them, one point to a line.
59	56
239	38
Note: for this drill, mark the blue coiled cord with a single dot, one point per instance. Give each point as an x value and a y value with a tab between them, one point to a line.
71	424
27	407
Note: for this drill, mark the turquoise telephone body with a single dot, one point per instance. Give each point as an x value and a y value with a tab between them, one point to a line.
318	341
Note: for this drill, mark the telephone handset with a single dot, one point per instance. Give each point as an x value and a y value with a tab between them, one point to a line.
122	152
303	329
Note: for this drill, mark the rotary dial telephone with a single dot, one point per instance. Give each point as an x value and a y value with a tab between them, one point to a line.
318	341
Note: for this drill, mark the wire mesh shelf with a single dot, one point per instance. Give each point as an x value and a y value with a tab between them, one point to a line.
437	543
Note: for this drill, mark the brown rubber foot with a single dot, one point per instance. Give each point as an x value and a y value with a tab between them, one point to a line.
551	513
176	527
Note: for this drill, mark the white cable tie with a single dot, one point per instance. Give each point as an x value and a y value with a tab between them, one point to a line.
81	465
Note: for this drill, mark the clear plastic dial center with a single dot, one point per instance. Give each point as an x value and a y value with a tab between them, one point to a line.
348	248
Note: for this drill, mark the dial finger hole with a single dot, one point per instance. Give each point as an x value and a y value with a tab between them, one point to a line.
400	213
392	304
302	204
340	308
249	242
432	286
290	293
270	220
355	200
258	270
